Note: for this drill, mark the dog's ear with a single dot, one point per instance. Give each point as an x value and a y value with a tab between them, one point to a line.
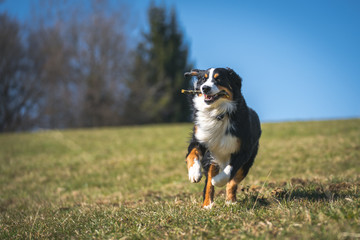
234	77
195	72
199	74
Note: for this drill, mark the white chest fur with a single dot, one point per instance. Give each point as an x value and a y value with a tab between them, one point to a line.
213	133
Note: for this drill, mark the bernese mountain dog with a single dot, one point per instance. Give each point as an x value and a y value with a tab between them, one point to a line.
226	133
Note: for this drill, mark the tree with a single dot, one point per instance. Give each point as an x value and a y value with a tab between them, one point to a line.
82	61
104	67
160	60
19	93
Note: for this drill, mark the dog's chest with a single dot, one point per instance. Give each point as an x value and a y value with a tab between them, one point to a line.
215	135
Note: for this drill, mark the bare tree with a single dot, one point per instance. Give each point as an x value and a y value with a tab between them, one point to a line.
19	92
82	60
52	55
104	63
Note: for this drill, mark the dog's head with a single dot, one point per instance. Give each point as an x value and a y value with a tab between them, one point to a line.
217	84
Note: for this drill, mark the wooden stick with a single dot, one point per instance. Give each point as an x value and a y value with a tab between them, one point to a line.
190	91
199	92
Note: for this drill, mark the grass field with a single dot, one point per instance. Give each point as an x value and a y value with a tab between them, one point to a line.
132	182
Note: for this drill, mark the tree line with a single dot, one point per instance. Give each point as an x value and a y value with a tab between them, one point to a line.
77	66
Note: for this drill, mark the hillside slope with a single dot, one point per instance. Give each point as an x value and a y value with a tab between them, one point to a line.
132	182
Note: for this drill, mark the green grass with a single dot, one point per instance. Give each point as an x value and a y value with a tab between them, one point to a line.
132	182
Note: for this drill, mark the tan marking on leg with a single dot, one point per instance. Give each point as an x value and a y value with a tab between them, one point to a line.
231	186
194	154
209	191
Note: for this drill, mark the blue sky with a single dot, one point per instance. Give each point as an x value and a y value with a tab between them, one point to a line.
299	60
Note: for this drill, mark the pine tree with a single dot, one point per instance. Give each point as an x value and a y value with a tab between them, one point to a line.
160	60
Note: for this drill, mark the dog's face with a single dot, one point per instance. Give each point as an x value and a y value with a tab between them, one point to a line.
217	84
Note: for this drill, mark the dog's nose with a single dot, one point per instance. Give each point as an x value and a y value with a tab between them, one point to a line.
205	89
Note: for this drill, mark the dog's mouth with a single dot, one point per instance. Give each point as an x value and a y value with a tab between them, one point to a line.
209	99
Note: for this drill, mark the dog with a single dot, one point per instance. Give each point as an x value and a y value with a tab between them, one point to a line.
226	133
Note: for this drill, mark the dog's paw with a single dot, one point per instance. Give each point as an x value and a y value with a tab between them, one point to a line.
219	180
229	202
208	206
195	172
222	178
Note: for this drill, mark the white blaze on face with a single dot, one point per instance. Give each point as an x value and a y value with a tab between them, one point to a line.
211	83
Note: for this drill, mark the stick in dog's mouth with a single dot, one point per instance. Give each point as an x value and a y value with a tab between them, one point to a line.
221	93
190	91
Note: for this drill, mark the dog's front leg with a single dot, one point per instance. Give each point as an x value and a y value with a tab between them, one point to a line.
209	187
195	154
193	164
229	171
223	177
232	185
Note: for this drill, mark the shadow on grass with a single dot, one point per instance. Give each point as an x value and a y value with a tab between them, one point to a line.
253	197
298	190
